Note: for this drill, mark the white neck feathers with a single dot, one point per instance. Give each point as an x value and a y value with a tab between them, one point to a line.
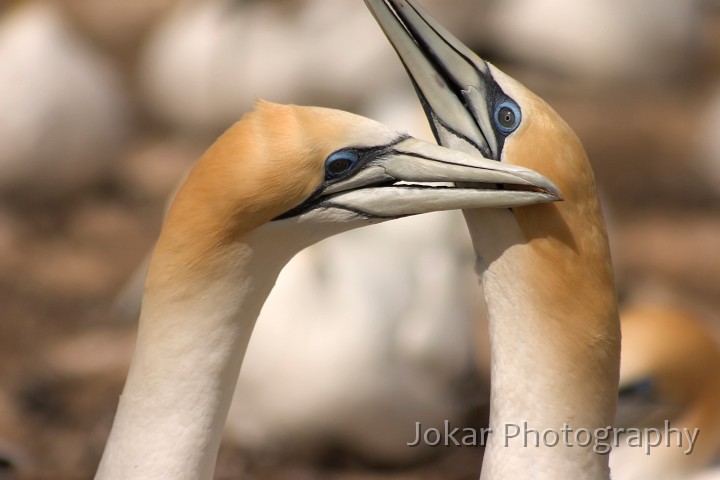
554	346
191	341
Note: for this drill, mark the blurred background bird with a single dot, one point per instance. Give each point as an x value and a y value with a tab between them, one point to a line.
670	371
66	113
106	103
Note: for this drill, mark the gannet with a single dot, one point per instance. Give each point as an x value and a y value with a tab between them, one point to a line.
546	270
280	179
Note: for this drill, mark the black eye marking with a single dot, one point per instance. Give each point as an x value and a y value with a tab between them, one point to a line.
339	166
507	117
340	163
644	387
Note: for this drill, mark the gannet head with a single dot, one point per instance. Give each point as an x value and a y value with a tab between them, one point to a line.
474	107
285	177
286	166
471	104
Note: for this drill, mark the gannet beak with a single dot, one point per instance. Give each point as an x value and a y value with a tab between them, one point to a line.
455	86
411	176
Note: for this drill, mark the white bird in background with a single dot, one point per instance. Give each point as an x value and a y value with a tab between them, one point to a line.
546	270
670	371
280	179
64	109
344	359
208	59
599	40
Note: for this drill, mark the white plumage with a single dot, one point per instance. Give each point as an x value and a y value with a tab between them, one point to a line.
64	112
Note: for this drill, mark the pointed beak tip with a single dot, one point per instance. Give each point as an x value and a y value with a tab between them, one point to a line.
542	183
555	192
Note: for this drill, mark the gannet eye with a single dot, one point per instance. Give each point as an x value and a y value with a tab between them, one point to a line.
340	163
640	388
507	116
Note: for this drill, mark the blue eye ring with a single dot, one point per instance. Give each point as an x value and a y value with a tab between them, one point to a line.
340	163
507	116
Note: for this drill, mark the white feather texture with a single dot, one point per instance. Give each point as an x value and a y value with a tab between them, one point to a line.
598	39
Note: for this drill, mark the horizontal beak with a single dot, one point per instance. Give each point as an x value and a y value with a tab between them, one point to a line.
414	177
454	85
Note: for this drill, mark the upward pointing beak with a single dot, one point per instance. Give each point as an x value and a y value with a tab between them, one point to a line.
455	86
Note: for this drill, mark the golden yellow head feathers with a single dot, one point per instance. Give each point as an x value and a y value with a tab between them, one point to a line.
321	166
670	347
267	163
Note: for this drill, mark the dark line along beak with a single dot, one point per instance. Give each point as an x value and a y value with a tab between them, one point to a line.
455	86
414	177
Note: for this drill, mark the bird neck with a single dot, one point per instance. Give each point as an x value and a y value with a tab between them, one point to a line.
555	343
195	324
